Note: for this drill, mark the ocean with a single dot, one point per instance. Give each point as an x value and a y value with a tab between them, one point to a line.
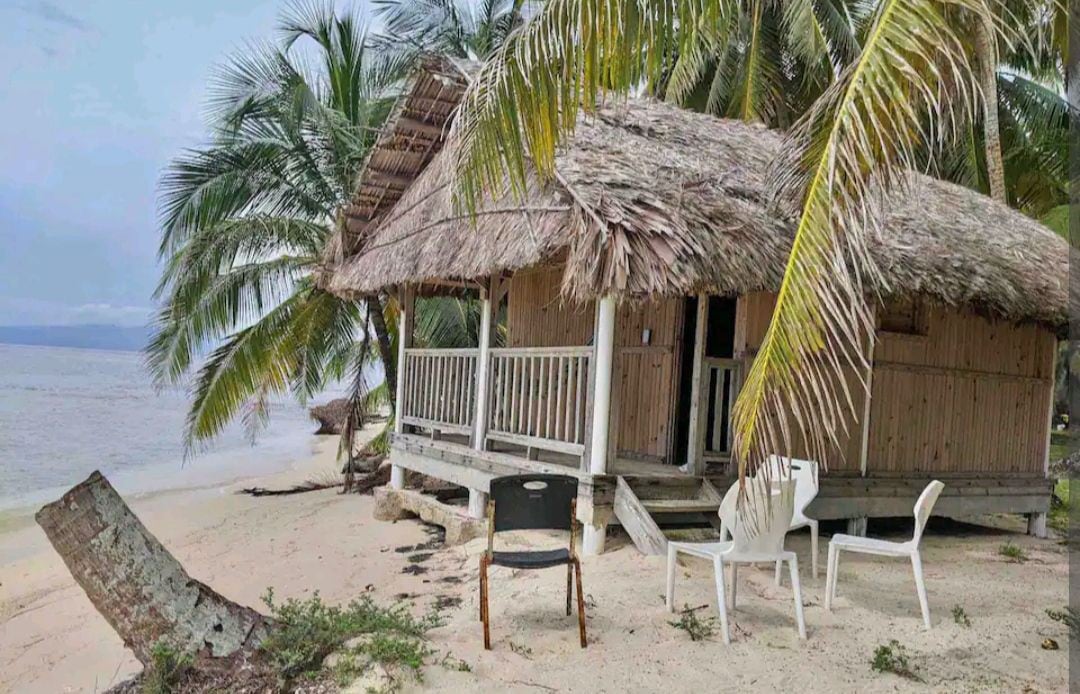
67	412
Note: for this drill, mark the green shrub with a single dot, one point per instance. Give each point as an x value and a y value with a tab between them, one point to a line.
167	668
893	658
308	630
1013	553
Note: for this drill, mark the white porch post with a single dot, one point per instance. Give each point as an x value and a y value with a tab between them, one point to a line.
595	534
604	352
695	446
478	499
406	299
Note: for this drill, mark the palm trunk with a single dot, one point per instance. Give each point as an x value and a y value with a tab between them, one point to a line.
386	352
140	589
986	58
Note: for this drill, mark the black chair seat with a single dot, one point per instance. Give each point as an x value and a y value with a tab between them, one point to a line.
531	560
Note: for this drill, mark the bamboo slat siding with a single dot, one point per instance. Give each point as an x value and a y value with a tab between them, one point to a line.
539	397
645	376
970	396
440	388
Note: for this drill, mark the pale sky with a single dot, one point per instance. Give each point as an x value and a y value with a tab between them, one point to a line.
95	98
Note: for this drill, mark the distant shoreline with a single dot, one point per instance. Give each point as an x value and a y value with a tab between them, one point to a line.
106	337
125	350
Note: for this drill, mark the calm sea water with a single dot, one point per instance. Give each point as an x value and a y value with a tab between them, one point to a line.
67	412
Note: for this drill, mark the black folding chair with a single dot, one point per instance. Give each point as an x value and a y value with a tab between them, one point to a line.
532	502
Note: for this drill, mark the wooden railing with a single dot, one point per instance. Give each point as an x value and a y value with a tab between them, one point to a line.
721	380
539	397
440	389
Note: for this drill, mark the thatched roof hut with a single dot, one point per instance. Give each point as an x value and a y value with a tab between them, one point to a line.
683	199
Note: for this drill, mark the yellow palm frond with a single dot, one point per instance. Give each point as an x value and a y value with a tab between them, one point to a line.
909	90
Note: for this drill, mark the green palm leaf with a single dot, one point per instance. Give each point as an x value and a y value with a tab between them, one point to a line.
855	145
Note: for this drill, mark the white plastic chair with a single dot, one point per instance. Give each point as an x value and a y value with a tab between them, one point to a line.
756	537
867	545
805	474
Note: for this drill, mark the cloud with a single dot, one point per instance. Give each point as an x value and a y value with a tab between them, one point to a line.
47	11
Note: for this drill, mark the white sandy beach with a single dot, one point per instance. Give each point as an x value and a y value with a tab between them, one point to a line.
52	639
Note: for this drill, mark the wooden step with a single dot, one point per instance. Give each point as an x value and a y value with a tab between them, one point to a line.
640	502
680	505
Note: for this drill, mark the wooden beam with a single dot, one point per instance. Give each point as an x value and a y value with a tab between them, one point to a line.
637	522
407	299
695	445
423	127
400	181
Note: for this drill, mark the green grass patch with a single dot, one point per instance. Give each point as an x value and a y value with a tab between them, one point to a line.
960	616
308	630
1013	553
1058	518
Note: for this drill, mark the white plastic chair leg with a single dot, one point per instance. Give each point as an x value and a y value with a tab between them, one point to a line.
796	588
814	547
670	592
734	583
830	576
920	586
721	599
776	577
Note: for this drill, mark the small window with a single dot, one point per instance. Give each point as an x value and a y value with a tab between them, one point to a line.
906	316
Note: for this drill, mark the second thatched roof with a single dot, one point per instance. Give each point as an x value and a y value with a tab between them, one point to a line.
681	200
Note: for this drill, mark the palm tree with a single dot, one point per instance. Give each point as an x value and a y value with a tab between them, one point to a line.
908	89
453	28
767	62
245	219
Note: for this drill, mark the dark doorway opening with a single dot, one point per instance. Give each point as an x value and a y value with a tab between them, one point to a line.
720	343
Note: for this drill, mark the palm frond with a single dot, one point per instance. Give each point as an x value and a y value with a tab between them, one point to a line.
524	101
911	87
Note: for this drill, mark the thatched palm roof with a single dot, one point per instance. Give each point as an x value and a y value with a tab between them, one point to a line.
655	200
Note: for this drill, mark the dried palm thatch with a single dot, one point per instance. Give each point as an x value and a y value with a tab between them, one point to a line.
651	200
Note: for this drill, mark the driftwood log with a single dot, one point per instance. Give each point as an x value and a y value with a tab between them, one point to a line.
141	589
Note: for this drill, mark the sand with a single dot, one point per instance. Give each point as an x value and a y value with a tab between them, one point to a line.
52	639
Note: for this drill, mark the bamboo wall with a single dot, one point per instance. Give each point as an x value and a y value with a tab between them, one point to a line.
970	396
645	376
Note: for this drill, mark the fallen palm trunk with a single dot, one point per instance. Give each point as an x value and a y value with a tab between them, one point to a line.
142	590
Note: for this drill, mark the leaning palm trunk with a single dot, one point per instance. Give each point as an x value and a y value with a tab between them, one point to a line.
140	589
986	59
386	352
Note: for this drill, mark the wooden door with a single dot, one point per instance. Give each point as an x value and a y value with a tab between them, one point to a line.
648	341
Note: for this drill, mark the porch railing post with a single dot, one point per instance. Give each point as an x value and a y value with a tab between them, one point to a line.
699	405
483	367
604	357
406	299
477	498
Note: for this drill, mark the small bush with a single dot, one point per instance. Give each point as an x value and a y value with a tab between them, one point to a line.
309	630
893	658
1070	617
167	668
1013	553
698	629
960	616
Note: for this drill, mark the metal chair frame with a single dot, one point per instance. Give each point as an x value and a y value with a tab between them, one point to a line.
573	564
